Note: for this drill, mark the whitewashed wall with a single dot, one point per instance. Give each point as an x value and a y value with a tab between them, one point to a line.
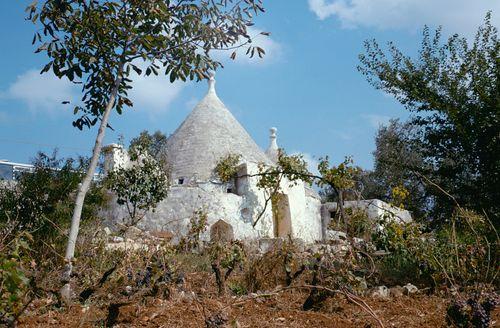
173	213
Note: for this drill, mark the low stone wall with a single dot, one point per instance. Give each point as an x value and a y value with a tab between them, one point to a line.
374	208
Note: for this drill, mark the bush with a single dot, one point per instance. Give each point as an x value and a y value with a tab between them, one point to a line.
41	203
280	265
14	283
357	223
225	258
139	187
462	252
198	224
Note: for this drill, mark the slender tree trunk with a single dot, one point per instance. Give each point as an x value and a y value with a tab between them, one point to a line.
82	192
341	208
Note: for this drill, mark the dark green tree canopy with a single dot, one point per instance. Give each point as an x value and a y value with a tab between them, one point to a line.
452	89
398	155
155	144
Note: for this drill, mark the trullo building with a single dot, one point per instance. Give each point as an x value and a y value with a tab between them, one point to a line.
208	134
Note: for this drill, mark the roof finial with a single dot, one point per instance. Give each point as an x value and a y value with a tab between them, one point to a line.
211	82
273	150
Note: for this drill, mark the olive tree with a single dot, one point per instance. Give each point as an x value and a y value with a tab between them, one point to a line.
99	43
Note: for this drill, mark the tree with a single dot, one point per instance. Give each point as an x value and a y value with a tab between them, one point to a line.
155	144
452	89
139	187
40	202
398	154
338	179
98	43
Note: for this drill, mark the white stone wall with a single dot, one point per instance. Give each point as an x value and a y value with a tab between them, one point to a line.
312	219
240	211
305	211
173	213
378	209
115	156
375	209
254	201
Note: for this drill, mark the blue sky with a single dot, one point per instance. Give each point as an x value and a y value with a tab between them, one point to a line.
307	86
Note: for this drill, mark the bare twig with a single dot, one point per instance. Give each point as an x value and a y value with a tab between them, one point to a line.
349	296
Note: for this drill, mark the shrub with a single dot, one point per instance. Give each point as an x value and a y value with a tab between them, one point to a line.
280	265
227	167
461	252
139	187
14	282
198	224
237	288
40	203
473	311
357	224
402	241
225	257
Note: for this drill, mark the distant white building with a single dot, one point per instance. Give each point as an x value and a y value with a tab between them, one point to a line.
10	171
207	135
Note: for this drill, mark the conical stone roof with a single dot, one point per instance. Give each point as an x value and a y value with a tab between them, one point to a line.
208	134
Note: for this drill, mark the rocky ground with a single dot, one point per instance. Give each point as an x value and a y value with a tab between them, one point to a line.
196	304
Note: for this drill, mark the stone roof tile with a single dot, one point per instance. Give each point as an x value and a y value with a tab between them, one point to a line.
209	133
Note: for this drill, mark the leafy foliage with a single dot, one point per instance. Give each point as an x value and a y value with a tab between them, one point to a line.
154	144
342	176
338	179
99	43
461	253
14	283
289	170
227	168
40	202
357	223
225	257
452	91
399	153
139	187
198	224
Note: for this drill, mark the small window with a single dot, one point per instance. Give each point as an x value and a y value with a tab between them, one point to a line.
181	181
229	190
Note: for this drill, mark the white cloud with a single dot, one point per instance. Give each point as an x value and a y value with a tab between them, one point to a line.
272	48
154	94
45	92
376	120
40	91
461	16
